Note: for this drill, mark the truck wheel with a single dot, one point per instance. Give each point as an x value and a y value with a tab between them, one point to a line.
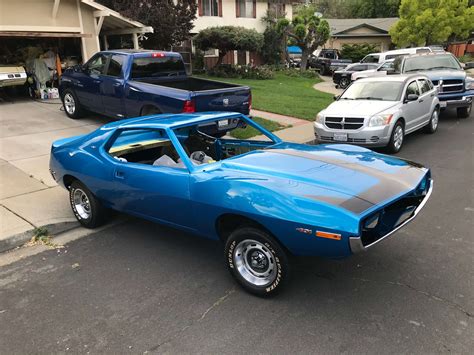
71	105
344	82
86	207
464	112
397	138
432	126
257	261
324	70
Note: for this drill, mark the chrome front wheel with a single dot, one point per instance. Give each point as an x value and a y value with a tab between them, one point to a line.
81	204
69	103
86	207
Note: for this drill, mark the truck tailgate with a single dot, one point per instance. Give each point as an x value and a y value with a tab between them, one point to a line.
228	99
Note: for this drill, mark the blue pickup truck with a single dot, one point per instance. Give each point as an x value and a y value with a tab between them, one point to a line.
131	83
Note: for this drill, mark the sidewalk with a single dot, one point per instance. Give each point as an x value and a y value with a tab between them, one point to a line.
29	197
327	86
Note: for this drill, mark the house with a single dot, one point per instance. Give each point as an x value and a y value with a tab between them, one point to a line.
361	30
245	13
73	28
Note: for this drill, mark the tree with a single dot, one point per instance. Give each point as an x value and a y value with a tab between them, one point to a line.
306	31
425	22
172	20
228	38
373	8
273	41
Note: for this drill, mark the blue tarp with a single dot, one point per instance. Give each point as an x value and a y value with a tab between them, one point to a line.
294	50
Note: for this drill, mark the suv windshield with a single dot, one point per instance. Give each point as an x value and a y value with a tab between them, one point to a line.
146	67
373	90
430	62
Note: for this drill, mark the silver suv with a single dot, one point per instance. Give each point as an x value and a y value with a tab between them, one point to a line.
380	111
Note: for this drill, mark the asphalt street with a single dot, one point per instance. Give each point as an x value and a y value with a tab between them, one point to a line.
139	287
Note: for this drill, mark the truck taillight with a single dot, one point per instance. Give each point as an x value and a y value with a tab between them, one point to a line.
189	106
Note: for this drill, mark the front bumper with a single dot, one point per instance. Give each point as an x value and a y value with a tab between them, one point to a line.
456	99
356	244
365	136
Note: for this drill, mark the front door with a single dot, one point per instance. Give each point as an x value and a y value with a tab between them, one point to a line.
412	110
89	83
112	87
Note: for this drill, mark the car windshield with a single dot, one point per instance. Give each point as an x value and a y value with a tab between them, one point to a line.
430	62
221	139
373	90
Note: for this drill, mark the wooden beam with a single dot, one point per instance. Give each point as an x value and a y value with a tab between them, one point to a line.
98	24
128	31
44	34
55	8
101	13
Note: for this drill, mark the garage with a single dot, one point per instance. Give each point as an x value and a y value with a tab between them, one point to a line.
40	38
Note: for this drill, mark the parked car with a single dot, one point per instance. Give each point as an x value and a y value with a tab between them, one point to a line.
380	111
130	83
264	199
380	70
342	78
384	56
327	61
455	87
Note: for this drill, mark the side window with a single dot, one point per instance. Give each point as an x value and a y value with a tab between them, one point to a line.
371	59
115	65
97	64
145	146
359	67
424	85
412	88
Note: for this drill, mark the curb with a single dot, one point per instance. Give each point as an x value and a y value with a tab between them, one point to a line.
21	238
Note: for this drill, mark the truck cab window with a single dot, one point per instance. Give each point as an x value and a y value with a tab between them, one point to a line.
97	64
115	65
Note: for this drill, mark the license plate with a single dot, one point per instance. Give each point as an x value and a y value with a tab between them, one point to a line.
442	104
222	123
340	137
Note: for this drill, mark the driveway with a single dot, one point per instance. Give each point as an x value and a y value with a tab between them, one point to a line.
139	287
29	197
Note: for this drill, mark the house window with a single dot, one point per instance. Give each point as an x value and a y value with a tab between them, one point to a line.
276	9
210	8
211	53
246	8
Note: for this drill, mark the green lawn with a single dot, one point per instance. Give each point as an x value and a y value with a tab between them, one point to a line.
249	131
291	96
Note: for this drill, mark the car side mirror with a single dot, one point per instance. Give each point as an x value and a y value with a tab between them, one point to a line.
336	97
412	97
390	71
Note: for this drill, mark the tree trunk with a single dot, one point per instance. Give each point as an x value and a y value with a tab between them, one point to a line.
220	58
304	59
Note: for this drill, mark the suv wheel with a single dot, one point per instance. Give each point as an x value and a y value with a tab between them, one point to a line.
397	138
256	261
464	112
344	82
432	126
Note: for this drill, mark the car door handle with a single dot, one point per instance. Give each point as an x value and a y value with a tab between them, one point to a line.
432	95
119	174
421	100
97	81
117	85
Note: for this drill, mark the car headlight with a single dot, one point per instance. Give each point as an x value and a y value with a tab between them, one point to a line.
380	120
319	118
469	84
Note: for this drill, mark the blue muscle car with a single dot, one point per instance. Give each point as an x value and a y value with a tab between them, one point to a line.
264	198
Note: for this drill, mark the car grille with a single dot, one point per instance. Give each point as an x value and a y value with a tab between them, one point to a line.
344	122
349	140
382	222
453	85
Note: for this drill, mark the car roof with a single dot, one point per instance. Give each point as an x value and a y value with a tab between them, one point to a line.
164	121
397	77
429	54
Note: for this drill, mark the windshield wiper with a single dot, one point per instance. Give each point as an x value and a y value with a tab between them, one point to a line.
435	68
346	98
369	98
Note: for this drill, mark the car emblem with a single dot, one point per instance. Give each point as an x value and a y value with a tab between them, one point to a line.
225	102
304	230
342	122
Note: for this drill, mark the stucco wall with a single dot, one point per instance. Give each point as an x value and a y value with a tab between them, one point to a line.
90	45
229	17
36	15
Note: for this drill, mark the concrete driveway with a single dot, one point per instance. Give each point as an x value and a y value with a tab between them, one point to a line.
29	197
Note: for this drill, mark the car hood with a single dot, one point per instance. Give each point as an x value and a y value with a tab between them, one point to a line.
357	108
350	177
447	74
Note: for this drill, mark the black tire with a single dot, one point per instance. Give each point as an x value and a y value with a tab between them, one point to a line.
432	126
344	82
464	112
71	105
249	250
86	207
394	146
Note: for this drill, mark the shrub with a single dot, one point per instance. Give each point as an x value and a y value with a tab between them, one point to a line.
356	52
241	72
294	72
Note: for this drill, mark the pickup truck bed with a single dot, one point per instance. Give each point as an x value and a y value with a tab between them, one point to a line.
190	84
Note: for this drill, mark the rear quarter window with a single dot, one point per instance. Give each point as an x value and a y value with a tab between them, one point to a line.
147	67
